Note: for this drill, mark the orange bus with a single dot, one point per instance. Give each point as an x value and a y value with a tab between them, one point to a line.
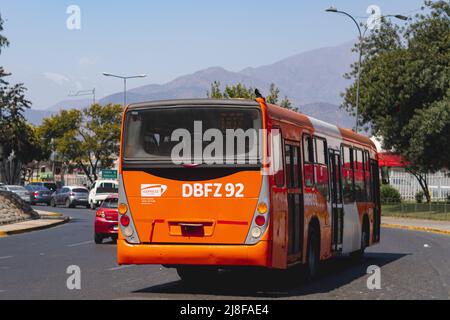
309	193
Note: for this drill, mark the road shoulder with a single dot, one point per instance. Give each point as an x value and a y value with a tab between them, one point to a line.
47	220
438	227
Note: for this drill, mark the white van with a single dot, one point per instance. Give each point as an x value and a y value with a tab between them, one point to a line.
100	190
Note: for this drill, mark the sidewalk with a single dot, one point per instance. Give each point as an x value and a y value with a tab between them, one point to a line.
48	220
440	227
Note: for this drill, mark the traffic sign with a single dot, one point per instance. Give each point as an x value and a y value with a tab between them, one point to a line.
110	174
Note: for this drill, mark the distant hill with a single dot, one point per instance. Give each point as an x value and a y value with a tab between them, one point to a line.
310	77
35	116
313	81
70	104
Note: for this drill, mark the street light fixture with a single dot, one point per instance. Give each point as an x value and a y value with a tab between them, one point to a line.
124	78
361	40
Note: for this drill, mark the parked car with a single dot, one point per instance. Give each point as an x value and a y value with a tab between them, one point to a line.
39	194
20	192
49	185
106	220
100	191
71	197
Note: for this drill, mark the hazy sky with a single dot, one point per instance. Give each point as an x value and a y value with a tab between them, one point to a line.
164	39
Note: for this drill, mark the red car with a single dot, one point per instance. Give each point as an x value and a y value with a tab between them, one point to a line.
106	220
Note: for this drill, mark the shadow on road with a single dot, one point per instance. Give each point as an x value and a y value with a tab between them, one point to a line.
280	284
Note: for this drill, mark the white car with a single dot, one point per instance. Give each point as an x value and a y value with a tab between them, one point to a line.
101	190
19	191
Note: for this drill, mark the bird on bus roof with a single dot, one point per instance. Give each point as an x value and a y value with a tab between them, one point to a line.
258	94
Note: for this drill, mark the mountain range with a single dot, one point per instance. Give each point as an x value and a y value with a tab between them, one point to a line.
312	80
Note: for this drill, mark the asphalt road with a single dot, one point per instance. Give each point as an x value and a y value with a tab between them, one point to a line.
414	265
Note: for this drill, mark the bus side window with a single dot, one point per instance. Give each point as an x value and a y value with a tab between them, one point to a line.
277	158
347	174
292	155
360	188
309	155
288	165
368	177
321	168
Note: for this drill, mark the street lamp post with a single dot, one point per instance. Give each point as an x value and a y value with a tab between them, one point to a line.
361	42
124	78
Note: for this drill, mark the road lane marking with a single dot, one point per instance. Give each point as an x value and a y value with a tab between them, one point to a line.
80	244
120	268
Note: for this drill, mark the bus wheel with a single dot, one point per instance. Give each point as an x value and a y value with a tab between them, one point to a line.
365	239
197	275
313	253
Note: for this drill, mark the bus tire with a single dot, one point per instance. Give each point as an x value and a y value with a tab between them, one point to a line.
365	238
196	275
313	261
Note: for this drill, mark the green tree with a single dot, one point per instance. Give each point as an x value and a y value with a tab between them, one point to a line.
87	139
273	95
240	91
19	144
215	92
405	89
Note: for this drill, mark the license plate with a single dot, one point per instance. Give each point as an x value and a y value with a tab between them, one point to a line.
82	199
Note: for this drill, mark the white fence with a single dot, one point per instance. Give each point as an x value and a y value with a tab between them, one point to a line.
407	184
76	180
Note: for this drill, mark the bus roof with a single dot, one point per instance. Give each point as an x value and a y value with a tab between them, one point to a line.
194	102
297	118
275	112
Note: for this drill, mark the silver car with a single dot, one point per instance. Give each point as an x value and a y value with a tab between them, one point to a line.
71	197
20	192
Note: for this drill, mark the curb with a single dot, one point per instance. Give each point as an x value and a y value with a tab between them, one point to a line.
52	216
411	228
16	232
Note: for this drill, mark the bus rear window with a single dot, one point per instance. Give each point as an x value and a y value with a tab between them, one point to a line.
200	135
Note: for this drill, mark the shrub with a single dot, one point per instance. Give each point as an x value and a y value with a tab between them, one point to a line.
419	196
389	194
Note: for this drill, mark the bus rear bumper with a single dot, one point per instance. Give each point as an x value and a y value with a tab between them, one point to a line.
207	255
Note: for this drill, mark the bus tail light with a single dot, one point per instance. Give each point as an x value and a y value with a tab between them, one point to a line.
126	225
123	208
263	208
125	221
260	221
256	232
